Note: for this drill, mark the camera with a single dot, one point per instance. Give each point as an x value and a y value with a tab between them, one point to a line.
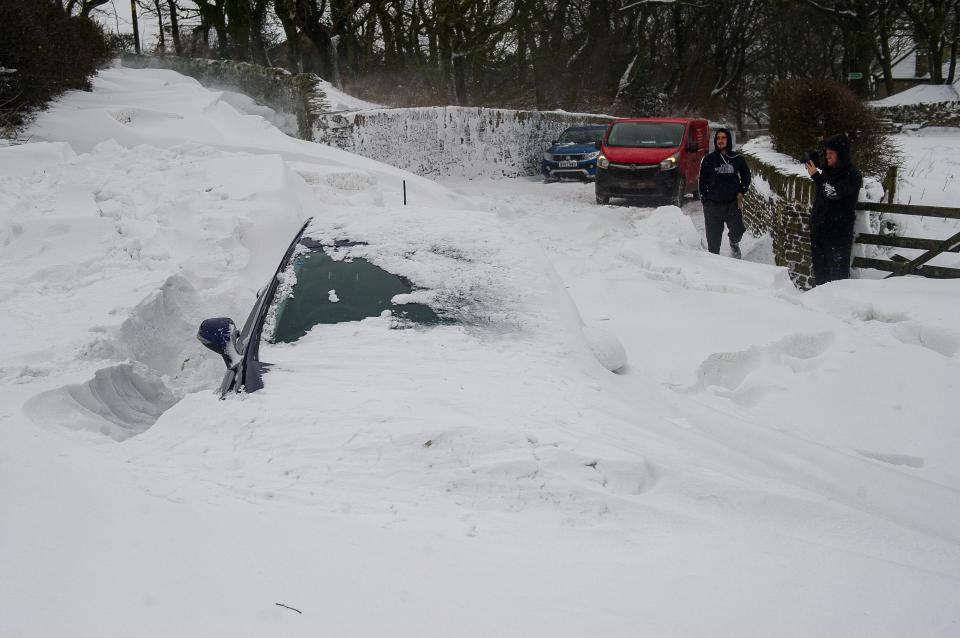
812	156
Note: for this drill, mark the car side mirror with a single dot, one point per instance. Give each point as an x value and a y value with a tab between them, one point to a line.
598	145
692	146
220	335
554	142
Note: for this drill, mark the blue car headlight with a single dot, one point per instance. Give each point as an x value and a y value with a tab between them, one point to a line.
591	156
548	157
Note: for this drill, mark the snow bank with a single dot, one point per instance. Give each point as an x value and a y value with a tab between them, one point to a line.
340	101
300	95
920	94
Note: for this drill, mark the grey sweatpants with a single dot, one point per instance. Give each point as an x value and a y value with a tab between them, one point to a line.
715	215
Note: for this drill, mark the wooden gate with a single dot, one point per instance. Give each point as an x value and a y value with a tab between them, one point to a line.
899	265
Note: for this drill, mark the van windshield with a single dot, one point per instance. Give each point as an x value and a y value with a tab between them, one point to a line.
646	134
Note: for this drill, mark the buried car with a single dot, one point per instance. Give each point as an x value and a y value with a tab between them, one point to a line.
574	154
406	275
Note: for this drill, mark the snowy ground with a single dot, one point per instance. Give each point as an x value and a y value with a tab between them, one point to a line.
769	463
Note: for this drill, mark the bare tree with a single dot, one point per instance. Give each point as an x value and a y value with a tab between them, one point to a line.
935	27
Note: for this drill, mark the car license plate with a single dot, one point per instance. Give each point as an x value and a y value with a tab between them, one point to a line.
568	164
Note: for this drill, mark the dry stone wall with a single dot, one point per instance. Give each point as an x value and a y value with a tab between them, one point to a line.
450	140
937	114
779	205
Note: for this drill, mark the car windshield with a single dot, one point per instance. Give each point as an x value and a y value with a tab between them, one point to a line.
318	289
581	136
646	134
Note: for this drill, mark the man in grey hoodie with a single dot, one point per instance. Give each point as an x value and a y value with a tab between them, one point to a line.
724	178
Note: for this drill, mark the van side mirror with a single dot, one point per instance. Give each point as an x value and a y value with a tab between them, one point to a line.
598	145
692	146
220	335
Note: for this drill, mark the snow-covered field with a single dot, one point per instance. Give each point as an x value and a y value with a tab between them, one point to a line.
770	462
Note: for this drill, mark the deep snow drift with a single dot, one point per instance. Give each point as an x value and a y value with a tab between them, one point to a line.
769	463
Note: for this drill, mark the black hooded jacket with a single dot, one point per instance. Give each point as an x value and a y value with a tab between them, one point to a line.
723	175
838	189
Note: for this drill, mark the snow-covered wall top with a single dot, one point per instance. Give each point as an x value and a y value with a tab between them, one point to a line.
301	94
450	140
920	94
924	114
784	176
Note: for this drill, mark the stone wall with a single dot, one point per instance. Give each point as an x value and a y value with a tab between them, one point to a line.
778	204
450	140
937	114
277	88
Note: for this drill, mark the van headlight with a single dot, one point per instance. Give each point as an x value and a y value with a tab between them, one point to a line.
670	163
590	156
602	161
548	157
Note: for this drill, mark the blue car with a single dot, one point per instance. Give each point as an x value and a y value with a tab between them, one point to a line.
574	155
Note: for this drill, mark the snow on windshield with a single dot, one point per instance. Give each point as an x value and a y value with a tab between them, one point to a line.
581	136
646	134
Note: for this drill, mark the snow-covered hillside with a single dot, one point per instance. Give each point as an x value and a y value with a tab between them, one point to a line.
770	462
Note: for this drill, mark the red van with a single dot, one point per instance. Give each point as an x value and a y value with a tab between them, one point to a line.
651	157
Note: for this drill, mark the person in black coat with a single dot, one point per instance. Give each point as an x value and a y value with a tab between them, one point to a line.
724	178
834	210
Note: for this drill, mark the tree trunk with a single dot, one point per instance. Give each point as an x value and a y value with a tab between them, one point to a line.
335	63
258	48
390	58
175	27
954	37
445	65
859	58
886	61
239	19
309	23
136	27
284	12
161	38
935	60
539	94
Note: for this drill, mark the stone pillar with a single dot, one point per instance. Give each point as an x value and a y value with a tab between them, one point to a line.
781	209
791	242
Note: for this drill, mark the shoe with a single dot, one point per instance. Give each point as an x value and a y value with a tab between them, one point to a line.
735	250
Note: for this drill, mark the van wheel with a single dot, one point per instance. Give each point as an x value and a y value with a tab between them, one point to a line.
603	200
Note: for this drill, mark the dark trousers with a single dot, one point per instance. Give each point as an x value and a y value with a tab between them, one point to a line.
715	215
831	258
